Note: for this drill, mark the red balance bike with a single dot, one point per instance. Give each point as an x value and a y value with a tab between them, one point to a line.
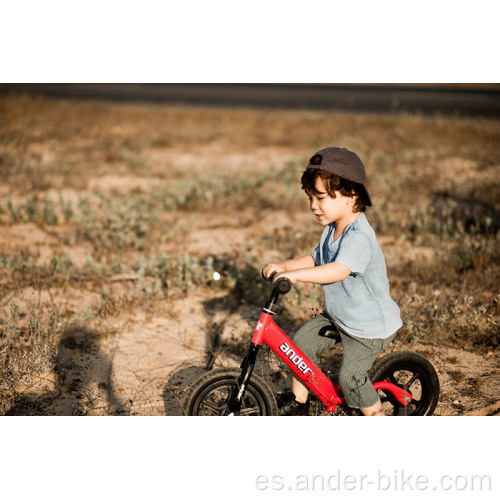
407	383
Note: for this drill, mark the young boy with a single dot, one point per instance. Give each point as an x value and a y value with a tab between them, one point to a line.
349	263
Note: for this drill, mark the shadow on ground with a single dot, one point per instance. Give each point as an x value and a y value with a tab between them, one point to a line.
81	381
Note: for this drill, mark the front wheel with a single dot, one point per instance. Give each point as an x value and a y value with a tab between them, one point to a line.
415	374
211	393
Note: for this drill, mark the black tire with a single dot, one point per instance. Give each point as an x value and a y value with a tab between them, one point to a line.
415	374
210	394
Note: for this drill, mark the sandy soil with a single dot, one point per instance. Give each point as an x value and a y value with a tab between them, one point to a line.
148	358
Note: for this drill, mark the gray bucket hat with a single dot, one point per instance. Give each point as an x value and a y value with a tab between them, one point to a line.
344	163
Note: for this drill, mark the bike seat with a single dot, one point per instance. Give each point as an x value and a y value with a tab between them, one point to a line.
332	332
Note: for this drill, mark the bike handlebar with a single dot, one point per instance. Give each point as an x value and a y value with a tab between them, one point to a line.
282	285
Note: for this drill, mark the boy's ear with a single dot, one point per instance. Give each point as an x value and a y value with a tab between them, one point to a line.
352	199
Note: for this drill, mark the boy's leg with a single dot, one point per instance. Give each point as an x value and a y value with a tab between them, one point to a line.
311	344
300	390
359	356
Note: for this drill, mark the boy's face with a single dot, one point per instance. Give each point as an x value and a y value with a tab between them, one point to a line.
327	209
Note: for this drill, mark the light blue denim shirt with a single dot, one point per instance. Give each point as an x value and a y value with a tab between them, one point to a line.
361	304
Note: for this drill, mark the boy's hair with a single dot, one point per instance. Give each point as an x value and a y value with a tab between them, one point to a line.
334	183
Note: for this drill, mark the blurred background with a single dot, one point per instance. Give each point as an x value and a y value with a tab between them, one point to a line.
480	99
135	219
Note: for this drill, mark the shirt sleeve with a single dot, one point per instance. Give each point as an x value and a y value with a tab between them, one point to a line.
355	252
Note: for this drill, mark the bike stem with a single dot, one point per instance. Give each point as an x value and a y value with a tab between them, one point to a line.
247	366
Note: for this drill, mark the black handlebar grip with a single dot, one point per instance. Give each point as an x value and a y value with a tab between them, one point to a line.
283	285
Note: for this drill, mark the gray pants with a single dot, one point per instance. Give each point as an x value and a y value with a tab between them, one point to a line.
359	356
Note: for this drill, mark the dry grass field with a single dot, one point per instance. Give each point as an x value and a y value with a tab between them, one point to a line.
114	218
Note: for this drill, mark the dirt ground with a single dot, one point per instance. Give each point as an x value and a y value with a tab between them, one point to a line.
145	366
101	331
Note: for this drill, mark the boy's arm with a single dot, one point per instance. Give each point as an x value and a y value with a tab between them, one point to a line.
324	274
304	262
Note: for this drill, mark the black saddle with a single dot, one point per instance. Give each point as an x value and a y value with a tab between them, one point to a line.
330	331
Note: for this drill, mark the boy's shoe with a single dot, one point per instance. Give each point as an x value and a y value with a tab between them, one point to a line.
295	409
284	398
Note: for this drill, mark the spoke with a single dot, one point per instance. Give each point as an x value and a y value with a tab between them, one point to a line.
210	405
249	411
416	375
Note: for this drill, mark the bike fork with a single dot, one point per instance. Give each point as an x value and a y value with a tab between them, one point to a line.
247	366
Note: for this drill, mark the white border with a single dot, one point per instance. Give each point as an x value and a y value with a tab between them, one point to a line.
261	41
158	457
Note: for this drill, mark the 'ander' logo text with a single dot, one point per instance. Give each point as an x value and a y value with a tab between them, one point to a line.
297	360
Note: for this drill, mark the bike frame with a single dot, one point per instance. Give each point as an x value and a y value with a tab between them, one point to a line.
268	332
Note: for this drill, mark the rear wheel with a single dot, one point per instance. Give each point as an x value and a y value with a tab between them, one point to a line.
413	373
211	393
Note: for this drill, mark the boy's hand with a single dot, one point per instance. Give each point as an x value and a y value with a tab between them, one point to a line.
272	267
